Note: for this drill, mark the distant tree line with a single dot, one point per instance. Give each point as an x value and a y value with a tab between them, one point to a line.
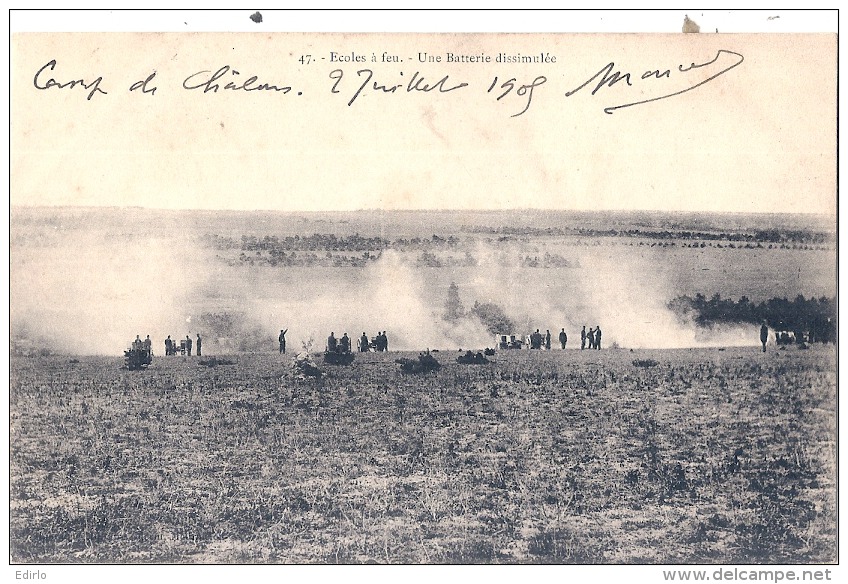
760	235
325	242
276	257
328	250
784	238
426	259
813	318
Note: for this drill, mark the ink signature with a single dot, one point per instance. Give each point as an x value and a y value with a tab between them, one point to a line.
610	78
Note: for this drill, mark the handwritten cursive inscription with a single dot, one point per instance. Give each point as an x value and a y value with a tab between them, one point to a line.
416	83
93	86
517	92
201	79
608	78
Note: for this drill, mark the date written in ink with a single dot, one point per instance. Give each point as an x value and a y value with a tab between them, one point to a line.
507	87
365	83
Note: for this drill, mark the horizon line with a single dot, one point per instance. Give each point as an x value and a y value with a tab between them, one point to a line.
419	210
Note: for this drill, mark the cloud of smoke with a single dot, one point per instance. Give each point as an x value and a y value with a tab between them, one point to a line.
629	294
617	290
389	294
92	291
90	294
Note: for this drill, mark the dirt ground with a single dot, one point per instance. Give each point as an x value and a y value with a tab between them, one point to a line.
612	456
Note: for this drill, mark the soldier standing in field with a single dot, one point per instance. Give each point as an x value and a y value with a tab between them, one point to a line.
590	336
283	341
147	345
583	338
363	343
563	338
385	342
188	345
169	345
598	337
199	343
345	343
764	336
332	343
547	340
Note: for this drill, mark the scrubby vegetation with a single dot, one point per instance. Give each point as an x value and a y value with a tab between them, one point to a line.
566	457
814	318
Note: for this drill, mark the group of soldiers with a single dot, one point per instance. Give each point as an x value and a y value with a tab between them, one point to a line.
145	345
335	345
592	337
183	347
379	343
538	340
343	345
784	338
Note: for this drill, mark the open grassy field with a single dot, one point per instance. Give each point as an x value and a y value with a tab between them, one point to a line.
613	456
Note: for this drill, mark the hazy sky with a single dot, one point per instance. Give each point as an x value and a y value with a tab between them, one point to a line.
761	137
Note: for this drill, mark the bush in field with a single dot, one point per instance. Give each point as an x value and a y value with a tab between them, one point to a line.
425	363
493	317
333	358
645	363
489	314
470	358
304	366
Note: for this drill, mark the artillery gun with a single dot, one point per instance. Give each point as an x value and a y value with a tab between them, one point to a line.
338	357
135	359
510	341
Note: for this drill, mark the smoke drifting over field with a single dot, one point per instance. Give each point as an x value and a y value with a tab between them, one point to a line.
617	290
387	295
91	292
91	295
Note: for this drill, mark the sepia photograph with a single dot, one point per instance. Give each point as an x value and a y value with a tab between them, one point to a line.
465	298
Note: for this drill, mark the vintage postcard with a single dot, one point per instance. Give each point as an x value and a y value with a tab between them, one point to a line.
284	298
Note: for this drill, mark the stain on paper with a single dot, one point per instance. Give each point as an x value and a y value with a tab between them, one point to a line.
690	25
